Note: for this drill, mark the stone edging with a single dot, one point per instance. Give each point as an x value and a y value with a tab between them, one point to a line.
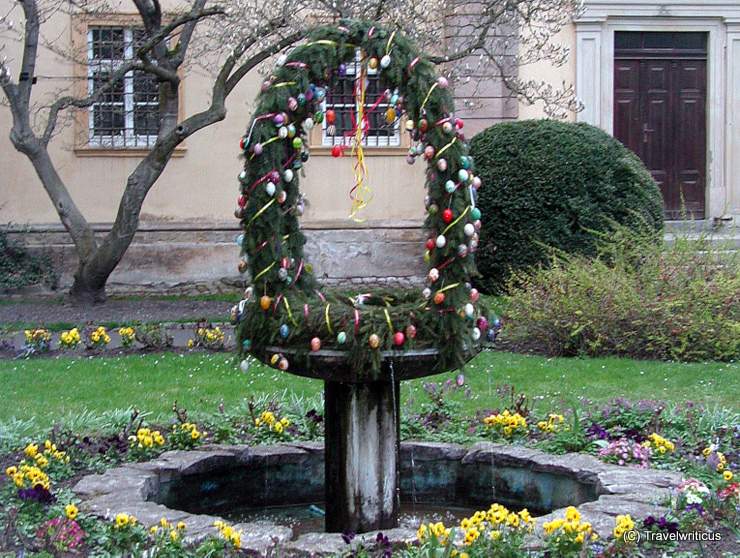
130	488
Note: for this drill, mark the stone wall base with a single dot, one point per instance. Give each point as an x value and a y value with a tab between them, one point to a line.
188	259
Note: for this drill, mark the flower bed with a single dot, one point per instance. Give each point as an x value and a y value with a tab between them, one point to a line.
39	509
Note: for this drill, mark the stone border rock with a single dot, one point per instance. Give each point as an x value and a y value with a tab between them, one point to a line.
130	488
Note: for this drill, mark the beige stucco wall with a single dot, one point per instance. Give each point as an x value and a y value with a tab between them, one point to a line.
201	185
554	75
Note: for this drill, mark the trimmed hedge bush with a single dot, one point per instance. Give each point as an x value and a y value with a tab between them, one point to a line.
551	184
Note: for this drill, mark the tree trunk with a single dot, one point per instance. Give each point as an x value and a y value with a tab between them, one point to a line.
88	288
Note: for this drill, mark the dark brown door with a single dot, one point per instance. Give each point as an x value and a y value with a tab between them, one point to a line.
660	89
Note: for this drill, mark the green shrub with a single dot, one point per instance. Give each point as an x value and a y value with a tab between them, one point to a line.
19	268
551	184
637	298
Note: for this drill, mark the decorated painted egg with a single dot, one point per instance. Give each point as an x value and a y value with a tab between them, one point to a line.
315	344
374	341
385	61
450	186
270	188
265	302
411	331
441	241
442	165
399	338
284	331
341	338
475	334
439	298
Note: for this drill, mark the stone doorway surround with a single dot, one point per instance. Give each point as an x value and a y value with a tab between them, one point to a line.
720	19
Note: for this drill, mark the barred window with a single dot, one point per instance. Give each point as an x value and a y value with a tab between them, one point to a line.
340	97
127	114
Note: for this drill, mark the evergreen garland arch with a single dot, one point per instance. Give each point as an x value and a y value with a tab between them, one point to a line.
285	317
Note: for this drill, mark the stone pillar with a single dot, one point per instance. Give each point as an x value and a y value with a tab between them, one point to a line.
362	456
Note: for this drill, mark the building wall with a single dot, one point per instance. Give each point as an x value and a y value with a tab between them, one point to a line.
187	228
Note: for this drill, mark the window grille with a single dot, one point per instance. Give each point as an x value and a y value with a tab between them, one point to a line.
126	115
340	97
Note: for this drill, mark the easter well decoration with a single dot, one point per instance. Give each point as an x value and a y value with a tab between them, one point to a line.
362	345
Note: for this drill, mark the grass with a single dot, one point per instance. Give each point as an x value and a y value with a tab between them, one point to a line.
46	389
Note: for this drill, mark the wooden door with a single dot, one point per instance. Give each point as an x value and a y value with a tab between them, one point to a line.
660	113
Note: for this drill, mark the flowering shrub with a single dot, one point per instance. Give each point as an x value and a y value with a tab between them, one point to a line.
211	338
232	538
494	532
128	336
62	536
70	339
167	539
624	451
270	427
553	423
186	435
568	536
38	340
715	458
31	477
145	443
506	425
97	338
153	336
662	446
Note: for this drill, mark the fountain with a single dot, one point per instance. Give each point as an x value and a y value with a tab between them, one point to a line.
361	346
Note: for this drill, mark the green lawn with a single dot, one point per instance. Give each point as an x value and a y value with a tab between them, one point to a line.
46	389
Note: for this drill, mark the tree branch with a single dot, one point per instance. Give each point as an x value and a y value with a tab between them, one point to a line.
187	34
30	52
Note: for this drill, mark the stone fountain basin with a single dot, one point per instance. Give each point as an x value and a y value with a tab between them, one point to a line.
331	365
196	486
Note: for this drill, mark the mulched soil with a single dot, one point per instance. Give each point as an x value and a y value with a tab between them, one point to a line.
121	311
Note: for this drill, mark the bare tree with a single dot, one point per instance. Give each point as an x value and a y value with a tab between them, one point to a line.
230	41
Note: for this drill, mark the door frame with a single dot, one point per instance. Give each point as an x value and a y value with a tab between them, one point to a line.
595	30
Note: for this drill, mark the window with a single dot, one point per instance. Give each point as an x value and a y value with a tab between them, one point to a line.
340	97
126	115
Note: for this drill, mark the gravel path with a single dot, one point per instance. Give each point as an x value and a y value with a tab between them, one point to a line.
121	311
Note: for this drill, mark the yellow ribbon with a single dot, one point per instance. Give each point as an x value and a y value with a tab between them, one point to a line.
328	321
284	84
363	194
261	211
445	148
390	40
324	42
290	314
261	273
268	142
434	86
388	320
448	287
456	221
